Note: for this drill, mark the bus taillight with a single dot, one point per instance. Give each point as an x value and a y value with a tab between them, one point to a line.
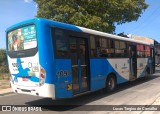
42	76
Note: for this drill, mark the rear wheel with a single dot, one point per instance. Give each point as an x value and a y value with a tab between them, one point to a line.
110	83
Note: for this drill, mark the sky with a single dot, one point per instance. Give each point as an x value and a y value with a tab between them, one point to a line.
147	25
14	11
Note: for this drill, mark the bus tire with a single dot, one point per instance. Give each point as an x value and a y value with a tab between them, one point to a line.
110	83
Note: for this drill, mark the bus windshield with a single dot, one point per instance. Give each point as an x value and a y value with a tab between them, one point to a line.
22	38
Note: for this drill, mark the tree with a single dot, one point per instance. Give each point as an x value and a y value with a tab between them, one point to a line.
3	62
100	15
3	57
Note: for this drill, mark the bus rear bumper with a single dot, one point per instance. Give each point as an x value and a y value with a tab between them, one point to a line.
46	90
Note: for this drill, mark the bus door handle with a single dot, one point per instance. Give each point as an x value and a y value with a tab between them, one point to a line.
74	65
83	65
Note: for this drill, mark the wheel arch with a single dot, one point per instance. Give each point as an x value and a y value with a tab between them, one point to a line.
112	74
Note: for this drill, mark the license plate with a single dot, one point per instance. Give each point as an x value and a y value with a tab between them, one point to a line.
24	79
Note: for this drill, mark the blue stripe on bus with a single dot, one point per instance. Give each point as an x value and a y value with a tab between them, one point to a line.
45	45
62	82
97	78
99	73
22	72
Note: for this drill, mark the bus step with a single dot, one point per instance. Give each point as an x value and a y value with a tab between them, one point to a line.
83	93
132	78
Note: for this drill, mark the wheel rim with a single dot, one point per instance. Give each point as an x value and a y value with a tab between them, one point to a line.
111	83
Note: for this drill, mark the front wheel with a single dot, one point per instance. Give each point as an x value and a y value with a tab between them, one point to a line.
110	83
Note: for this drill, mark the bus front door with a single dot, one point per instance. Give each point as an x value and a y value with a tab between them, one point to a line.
133	62
80	68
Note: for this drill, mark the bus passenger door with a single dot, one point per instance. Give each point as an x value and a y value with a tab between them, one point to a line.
133	62
152	60
79	59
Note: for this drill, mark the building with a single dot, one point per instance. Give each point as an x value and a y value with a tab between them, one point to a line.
152	42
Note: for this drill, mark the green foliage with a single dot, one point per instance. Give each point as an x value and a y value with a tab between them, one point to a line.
100	15
2	55
3	62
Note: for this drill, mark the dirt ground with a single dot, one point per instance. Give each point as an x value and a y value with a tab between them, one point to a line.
4	84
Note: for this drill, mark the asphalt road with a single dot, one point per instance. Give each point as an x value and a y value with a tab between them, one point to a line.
143	91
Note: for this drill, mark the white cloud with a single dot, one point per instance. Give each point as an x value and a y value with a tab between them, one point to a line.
36	5
27	1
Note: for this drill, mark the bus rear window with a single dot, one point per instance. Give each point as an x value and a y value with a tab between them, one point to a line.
22	39
22	42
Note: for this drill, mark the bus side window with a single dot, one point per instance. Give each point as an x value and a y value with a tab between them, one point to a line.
140	51
123	47
147	51
61	44
120	49
107	48
103	45
93	47
117	49
112	49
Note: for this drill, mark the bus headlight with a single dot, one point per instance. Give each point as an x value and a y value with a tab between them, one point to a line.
42	76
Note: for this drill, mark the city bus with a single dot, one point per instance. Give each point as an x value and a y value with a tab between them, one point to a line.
58	60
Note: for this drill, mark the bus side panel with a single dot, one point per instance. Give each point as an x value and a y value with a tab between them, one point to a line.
46	55
98	73
141	66
100	69
149	65
122	67
64	78
46	50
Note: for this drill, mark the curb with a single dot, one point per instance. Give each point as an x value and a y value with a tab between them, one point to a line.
6	91
3	94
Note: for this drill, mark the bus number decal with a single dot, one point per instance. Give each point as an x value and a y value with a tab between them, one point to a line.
63	73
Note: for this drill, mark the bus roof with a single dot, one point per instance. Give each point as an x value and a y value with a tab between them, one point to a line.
103	34
75	28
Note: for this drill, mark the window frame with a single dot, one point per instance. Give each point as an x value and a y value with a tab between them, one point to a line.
142	55
53	29
68	34
109	46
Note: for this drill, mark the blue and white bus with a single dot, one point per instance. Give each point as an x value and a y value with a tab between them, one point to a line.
57	60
